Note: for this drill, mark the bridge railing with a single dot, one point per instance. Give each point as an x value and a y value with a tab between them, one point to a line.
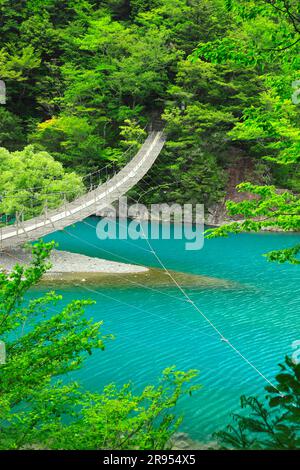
39	204
70	212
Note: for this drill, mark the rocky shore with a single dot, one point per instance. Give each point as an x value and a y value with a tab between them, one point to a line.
66	262
68	268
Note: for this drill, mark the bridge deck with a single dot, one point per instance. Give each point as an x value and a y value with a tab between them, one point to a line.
91	202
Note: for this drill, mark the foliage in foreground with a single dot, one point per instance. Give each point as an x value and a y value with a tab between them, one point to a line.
265	39
40	406
271	209
272	424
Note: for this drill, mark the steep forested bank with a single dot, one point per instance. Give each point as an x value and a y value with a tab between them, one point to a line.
83	77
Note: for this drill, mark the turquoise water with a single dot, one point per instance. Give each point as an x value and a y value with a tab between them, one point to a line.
155	329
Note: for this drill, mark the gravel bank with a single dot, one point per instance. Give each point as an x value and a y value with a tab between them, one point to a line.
66	262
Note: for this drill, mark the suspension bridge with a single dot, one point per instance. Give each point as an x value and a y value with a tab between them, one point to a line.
97	198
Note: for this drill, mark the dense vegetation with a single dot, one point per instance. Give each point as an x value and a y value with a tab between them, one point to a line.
265	39
80	72
32	180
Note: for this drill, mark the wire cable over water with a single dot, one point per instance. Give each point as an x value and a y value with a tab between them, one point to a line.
188	299
88	289
195	306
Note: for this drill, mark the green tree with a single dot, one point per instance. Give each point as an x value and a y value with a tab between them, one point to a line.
270	424
72	141
40	406
12	135
32	180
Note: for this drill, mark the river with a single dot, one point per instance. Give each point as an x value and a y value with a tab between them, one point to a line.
155	329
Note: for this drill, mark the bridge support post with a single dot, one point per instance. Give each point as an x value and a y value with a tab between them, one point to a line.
17	223
65	203
46	210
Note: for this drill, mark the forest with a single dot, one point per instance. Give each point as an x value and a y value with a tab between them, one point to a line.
84	80
84	77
